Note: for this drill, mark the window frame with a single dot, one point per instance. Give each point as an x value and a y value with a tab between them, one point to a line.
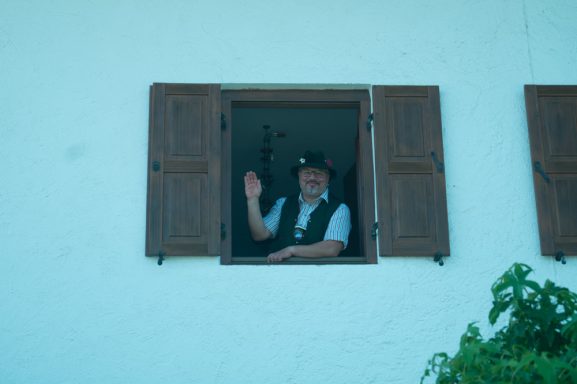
326	98
197	114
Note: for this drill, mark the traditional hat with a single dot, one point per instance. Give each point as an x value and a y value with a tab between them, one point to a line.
314	160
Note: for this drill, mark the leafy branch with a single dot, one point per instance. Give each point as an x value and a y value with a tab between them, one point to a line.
538	344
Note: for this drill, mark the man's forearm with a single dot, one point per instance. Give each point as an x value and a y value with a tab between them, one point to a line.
325	248
255	223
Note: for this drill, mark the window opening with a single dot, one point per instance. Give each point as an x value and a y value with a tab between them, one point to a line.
331	130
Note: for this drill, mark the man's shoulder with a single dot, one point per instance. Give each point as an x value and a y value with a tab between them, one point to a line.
343	207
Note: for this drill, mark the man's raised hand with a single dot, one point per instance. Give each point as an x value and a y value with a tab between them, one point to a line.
252	186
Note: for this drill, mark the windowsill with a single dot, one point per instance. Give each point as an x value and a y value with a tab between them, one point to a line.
300	261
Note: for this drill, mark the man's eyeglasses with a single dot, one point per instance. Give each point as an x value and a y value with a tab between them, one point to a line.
316	174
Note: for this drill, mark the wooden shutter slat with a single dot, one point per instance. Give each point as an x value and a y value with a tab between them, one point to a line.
411	190
186	166
552	123
558	119
183	213
409	145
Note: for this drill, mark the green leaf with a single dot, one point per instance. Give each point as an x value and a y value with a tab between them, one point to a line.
533	285
538	343
545	369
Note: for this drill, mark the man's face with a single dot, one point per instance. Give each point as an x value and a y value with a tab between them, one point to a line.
313	182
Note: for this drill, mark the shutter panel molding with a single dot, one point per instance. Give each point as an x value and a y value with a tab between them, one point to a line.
552	123
183	204
411	191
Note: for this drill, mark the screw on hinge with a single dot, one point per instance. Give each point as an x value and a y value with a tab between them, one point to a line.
374	229
370	121
560	256
438	258
160	257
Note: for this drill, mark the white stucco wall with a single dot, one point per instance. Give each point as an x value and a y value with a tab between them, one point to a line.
79	302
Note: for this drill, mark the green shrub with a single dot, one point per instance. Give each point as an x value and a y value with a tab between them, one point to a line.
538	344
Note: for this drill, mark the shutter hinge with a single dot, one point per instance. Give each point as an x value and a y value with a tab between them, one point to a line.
161	255
440	166
539	169
560	256
374	229
222	121
156	166
370	121
438	258
222	231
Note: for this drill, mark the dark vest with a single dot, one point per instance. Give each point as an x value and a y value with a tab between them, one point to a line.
316	227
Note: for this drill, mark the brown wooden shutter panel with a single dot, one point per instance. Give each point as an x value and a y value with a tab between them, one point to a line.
183	211
412	202
552	122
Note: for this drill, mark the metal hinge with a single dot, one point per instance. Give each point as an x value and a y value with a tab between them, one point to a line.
222	121
374	230
222	231
370	121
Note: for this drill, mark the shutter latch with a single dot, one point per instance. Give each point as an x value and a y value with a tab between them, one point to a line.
440	166
539	169
439	258
161	255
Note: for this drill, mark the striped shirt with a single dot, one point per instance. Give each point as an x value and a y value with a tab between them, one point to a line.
339	224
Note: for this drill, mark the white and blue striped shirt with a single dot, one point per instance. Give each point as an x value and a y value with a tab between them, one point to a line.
339	225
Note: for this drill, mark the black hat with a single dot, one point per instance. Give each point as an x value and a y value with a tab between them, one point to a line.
314	160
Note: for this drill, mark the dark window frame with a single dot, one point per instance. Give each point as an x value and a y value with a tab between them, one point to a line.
305	99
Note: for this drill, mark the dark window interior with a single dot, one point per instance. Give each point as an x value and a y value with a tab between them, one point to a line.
304	127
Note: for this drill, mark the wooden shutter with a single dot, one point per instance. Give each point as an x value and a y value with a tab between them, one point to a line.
412	202
183	211
552	121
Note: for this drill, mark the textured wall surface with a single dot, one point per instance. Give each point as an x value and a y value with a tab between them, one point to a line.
79	301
